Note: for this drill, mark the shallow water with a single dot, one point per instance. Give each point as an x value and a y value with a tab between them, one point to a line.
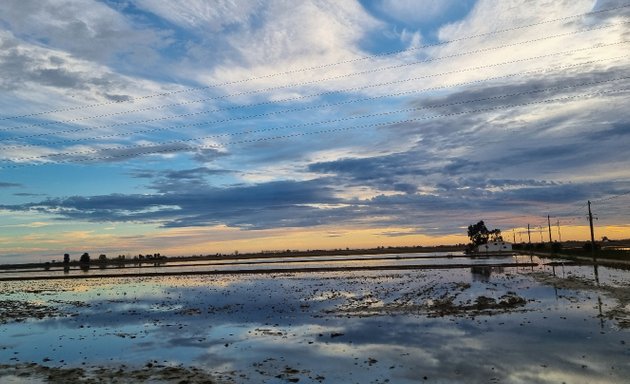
338	327
283	263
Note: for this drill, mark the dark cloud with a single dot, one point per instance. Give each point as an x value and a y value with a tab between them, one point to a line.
21	67
206	155
258	206
313	203
194	173
389	172
9	185
617	131
24	194
117	154
528	90
176	175
57	77
117	98
185	180
98	33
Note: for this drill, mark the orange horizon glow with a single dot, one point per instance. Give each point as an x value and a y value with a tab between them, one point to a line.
225	240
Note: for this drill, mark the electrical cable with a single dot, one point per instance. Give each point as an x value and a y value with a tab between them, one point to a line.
161	94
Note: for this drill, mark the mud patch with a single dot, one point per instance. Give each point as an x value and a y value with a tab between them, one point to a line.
19	310
35	373
482	305
271	368
433	300
620	313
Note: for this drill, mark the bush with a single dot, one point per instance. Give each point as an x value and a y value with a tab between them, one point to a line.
556	247
588	247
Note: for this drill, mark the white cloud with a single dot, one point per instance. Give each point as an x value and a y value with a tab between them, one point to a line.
509	14
85	28
212	16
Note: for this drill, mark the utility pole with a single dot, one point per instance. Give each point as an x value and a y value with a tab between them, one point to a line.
590	221
559	234
529	235
549	226
513	236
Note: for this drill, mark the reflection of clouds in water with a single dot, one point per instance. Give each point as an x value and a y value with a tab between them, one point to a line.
240	320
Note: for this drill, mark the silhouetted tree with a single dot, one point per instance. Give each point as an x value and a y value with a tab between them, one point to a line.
479	234
85	258
66	258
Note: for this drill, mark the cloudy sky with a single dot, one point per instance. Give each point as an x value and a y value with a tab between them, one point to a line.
212	126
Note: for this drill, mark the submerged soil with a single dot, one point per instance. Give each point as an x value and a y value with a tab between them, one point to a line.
620	313
482	324
158	374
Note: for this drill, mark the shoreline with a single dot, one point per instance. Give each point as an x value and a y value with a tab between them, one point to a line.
271	271
585	260
244	256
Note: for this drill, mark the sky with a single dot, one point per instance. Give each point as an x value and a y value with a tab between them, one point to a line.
200	127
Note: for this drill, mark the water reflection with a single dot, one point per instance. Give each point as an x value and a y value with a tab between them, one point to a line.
483	273
303	326
292	264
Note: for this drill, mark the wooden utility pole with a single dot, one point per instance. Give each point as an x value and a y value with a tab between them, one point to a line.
529	235
559	234
590	221
549	226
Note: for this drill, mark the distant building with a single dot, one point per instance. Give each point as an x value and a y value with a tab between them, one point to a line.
495	246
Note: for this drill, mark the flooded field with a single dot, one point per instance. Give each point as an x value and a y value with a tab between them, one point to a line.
441	319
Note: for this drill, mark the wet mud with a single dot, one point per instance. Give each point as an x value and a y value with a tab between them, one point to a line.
620	312
478	325
151	373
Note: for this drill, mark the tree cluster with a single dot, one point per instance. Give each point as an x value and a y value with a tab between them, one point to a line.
479	234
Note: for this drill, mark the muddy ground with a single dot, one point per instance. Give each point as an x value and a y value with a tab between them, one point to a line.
336	314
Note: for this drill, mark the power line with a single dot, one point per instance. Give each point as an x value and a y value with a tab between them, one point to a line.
325	122
497	97
581	207
322	66
331	130
611	197
584	205
352	89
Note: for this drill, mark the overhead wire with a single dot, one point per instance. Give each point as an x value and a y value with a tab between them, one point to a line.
167	150
302	97
345	102
322	66
299	134
611	197
354	117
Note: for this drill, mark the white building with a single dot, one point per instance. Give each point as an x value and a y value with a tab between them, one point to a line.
495	246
